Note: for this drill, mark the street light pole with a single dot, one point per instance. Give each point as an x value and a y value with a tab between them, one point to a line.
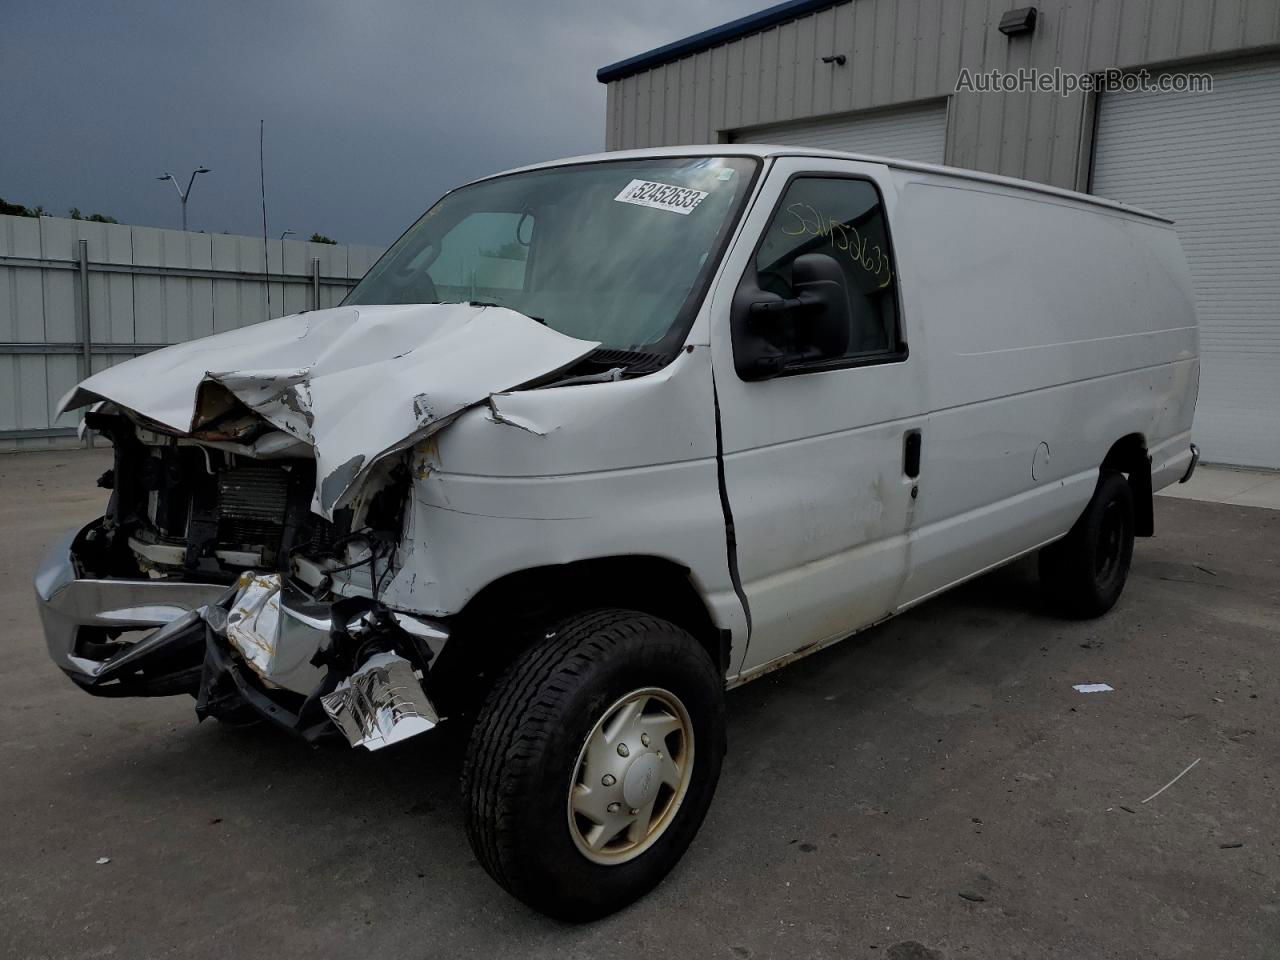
183	194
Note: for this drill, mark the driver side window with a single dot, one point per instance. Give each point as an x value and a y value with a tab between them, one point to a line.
844	219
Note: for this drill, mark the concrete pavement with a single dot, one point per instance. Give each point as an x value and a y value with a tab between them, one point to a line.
1234	485
932	789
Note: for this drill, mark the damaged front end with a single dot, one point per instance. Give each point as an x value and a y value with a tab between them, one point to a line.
241	597
360	668
255	517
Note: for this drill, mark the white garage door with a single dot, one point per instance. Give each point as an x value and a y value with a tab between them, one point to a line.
913	133
1211	161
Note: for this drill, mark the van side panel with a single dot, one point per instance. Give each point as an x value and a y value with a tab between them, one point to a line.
1051	330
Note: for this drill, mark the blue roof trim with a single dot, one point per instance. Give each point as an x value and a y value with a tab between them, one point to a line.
710	38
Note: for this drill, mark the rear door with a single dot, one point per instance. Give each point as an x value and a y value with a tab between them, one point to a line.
819	463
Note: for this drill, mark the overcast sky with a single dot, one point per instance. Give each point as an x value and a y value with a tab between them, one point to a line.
373	108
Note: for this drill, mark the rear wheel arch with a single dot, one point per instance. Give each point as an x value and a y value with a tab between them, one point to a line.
1084	573
1129	456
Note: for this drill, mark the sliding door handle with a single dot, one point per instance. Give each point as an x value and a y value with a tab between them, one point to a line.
911	453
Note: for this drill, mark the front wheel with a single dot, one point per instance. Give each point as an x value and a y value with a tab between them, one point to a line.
593	763
1084	573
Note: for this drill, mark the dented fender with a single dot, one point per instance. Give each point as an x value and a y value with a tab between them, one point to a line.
570	473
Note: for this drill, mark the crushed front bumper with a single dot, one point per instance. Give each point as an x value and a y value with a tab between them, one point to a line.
75	612
255	644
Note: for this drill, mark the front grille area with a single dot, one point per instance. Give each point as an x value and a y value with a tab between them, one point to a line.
252	505
201	513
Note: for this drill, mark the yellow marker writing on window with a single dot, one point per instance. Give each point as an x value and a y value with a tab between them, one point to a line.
845	237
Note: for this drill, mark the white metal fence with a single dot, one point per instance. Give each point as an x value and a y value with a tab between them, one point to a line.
77	297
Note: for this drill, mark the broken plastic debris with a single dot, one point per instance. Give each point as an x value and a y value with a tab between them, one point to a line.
1093	687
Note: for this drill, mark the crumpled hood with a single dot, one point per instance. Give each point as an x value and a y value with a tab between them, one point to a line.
356	383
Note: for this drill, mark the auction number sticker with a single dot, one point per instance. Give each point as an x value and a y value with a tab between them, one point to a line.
661	196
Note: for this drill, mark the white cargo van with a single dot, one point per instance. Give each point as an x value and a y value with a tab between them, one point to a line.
597	439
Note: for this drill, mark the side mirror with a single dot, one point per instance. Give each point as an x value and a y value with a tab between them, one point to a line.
771	333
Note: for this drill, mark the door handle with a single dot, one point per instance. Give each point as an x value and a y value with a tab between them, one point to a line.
911	453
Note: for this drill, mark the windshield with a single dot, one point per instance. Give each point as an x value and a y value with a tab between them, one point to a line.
612	251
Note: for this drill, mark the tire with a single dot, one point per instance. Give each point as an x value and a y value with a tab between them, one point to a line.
540	745
1084	573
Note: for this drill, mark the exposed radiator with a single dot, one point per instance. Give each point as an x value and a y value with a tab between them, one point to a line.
252	501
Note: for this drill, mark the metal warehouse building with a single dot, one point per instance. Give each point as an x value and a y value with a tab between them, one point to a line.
880	77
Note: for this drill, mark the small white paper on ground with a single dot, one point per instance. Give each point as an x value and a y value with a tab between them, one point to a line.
1093	687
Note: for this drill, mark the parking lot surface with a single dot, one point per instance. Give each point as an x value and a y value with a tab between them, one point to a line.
934	788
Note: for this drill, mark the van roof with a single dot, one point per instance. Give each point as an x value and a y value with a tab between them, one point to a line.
766	150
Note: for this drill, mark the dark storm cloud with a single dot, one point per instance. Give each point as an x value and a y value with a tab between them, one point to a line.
372	109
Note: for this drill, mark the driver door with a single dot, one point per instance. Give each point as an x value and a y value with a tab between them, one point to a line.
821	461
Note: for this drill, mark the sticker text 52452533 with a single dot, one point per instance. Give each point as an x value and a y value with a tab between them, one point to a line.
661	196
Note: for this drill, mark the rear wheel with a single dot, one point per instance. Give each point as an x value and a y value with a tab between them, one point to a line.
1084	573
593	763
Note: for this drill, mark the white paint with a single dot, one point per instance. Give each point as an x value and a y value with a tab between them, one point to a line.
1092	688
1032	316
813	465
1044	321
622	467
355	384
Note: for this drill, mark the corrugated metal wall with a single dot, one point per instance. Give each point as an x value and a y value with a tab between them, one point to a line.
147	288
916	133
1210	162
905	50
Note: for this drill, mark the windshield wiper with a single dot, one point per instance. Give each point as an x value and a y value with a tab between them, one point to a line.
489	303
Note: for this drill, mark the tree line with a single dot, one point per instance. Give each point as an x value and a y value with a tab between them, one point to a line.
18	210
